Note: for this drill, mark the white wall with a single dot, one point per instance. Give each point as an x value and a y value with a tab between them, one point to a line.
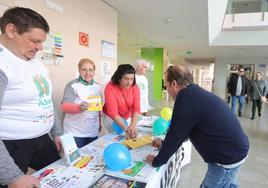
216	13
221	72
93	17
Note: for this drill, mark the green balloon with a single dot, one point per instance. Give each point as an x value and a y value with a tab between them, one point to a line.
160	126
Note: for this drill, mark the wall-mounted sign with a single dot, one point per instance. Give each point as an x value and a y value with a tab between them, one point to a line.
108	49
83	39
52	52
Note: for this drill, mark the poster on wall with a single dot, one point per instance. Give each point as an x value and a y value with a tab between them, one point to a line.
105	72
52	52
108	49
83	39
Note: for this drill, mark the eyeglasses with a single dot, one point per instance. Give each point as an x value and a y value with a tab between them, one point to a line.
241	71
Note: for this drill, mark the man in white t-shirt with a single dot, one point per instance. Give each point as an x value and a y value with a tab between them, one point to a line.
27	113
142	82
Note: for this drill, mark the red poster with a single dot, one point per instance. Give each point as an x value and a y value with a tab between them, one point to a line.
83	39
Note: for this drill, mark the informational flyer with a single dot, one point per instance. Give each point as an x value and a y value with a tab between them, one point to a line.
106	72
108	49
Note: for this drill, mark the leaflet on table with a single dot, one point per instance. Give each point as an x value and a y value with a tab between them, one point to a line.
145	129
142	152
45	172
111	181
70	177
108	139
140	141
97	163
139	170
71	152
147	121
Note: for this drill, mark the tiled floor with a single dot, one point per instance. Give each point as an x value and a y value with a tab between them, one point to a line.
254	172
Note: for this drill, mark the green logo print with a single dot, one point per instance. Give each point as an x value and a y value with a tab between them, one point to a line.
43	89
142	86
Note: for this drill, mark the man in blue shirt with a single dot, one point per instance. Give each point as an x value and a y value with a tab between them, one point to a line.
211	126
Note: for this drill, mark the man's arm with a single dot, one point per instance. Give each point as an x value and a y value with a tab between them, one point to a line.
182	122
56	130
9	171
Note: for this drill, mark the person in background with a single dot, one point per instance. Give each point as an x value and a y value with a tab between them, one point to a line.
82	105
142	82
122	100
237	89
258	89
215	132
27	113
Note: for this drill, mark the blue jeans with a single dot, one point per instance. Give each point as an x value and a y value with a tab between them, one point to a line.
82	141
220	177
241	101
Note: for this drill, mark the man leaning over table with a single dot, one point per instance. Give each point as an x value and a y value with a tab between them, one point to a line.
215	132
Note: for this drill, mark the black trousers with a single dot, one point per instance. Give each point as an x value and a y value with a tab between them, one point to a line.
256	104
36	153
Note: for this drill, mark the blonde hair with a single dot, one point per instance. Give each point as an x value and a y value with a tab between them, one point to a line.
85	60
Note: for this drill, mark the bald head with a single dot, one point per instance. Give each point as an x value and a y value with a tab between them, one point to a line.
180	74
141	66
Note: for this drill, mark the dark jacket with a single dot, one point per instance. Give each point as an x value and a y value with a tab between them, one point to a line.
211	126
232	84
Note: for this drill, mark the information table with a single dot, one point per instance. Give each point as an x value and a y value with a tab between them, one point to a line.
91	168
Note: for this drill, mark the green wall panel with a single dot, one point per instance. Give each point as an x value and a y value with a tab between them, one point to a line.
155	57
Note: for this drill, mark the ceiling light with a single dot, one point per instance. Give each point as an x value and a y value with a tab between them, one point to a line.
167	20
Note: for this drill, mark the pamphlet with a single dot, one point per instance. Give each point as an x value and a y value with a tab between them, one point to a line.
95	103
116	182
140	141
71	152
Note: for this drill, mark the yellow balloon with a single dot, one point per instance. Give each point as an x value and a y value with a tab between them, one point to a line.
166	113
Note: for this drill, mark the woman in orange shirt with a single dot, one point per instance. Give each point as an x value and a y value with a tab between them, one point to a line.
122	99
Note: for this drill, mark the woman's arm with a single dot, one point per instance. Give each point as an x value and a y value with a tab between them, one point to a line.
131	130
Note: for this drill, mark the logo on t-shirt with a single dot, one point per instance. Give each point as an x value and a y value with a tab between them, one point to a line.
43	88
142	86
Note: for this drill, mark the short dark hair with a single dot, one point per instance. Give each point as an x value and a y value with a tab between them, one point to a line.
24	19
180	74
240	67
121	70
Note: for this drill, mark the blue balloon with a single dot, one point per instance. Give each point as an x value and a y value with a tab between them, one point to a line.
160	126
117	156
117	128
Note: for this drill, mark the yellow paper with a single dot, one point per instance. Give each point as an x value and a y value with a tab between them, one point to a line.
83	162
141	141
94	103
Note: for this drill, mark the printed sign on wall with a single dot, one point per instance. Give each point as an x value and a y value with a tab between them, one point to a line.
83	39
52	52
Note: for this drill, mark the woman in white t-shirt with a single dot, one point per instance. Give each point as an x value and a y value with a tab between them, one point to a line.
82	105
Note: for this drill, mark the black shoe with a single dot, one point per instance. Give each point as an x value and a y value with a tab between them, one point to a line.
259	114
239	114
252	118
